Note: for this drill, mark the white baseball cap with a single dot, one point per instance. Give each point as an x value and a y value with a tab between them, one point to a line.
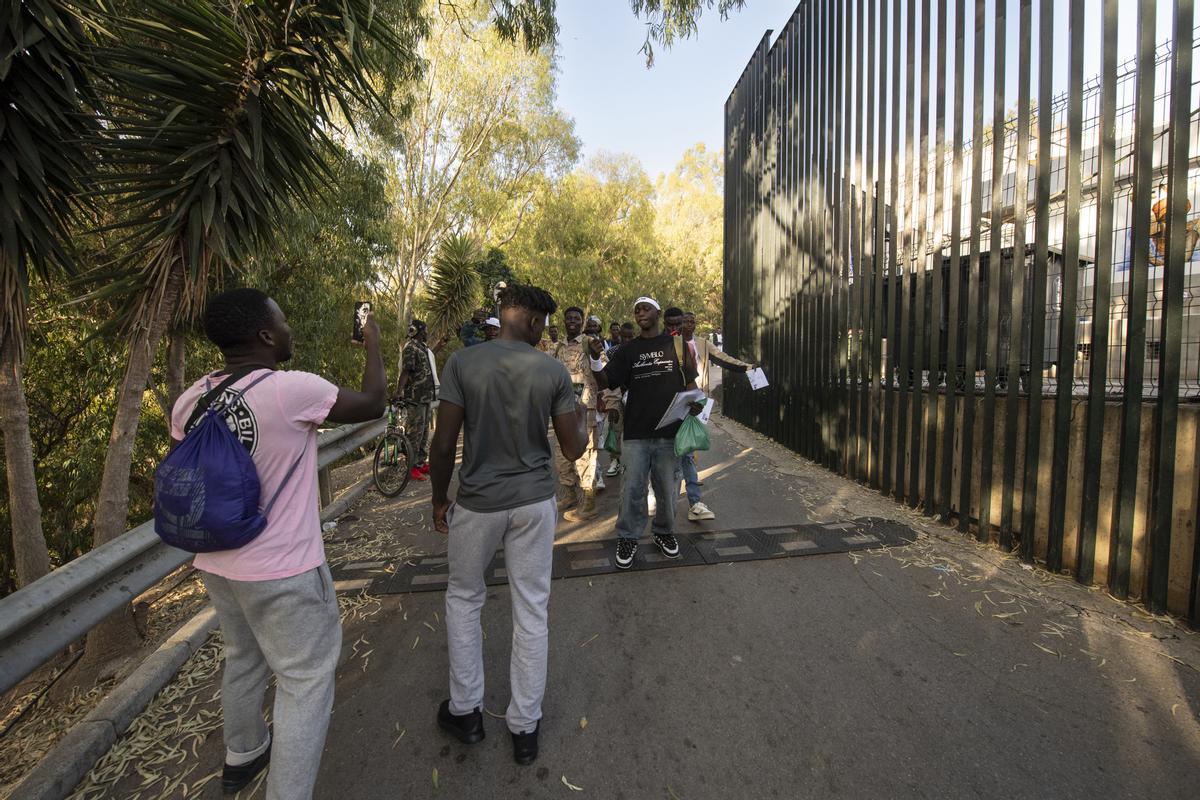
495	323
649	301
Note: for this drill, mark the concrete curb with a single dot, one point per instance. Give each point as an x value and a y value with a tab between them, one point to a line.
64	767
347	498
61	770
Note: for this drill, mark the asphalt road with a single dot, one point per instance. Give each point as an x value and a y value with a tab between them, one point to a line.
939	670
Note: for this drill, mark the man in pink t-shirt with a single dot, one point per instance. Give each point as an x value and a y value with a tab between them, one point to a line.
274	597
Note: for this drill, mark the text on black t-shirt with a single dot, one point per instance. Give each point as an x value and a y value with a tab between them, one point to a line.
649	369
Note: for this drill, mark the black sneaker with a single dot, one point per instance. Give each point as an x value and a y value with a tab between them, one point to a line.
668	544
467	728
234	779
525	746
626	550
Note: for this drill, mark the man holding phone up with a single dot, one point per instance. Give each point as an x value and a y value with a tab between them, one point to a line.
503	392
274	596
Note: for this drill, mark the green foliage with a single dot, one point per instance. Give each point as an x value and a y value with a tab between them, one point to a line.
669	20
325	260
453	285
603	236
493	269
483	135
221	124
690	226
531	21
71	378
45	125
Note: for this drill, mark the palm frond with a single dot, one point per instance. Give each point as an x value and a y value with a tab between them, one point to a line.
223	124
453	283
46	118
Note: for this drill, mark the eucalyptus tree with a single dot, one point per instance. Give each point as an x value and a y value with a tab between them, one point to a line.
46	119
605	235
669	20
481	134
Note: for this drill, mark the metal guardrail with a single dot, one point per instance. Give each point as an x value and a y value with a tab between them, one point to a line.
42	619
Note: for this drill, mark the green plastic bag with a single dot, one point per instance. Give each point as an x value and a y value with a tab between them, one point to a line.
692	436
612	441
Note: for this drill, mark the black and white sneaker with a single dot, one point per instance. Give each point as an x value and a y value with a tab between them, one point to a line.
668	544
626	550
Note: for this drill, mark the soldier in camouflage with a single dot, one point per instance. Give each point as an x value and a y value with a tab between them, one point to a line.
416	386
579	477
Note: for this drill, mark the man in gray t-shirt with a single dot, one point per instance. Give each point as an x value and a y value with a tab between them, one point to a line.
501	394
508	391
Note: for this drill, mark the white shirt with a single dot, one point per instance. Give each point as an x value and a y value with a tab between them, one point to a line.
433	368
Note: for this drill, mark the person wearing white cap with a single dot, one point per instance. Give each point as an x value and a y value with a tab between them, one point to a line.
491	328
653	368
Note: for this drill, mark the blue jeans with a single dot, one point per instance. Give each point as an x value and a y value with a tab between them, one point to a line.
687	465
653	460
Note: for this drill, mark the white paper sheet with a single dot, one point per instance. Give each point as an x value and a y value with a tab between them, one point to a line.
706	414
758	379
679	407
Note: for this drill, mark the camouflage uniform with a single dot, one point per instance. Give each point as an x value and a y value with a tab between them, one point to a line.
573	353
420	390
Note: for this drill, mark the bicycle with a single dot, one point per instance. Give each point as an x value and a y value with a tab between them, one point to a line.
393	454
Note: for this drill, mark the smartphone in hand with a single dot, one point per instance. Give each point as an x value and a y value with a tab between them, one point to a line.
362	310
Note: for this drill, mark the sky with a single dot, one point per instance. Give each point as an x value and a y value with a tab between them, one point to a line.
656	114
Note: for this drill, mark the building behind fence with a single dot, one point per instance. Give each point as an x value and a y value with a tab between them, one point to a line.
1036	386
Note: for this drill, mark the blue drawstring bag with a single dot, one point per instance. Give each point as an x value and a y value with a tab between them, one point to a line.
206	491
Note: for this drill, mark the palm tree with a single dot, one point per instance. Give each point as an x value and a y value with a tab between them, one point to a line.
453	284
45	120
223	121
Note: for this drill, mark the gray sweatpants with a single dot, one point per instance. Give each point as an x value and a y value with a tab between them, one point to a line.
290	627
527	534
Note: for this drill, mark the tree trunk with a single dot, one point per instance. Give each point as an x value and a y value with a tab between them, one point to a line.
117	635
29	543
176	361
402	305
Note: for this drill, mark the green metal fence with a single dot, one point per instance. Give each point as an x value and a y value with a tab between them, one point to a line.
975	289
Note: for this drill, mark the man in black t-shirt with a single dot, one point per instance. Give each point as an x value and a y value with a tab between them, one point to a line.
653	368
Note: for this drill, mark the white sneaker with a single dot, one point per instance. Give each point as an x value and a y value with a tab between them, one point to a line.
599	485
651	504
700	512
614	469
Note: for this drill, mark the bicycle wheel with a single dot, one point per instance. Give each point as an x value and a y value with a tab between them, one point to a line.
391	469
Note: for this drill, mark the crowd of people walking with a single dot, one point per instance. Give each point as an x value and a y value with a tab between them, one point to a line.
516	376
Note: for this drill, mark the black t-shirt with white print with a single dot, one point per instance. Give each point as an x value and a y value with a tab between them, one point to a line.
649	369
